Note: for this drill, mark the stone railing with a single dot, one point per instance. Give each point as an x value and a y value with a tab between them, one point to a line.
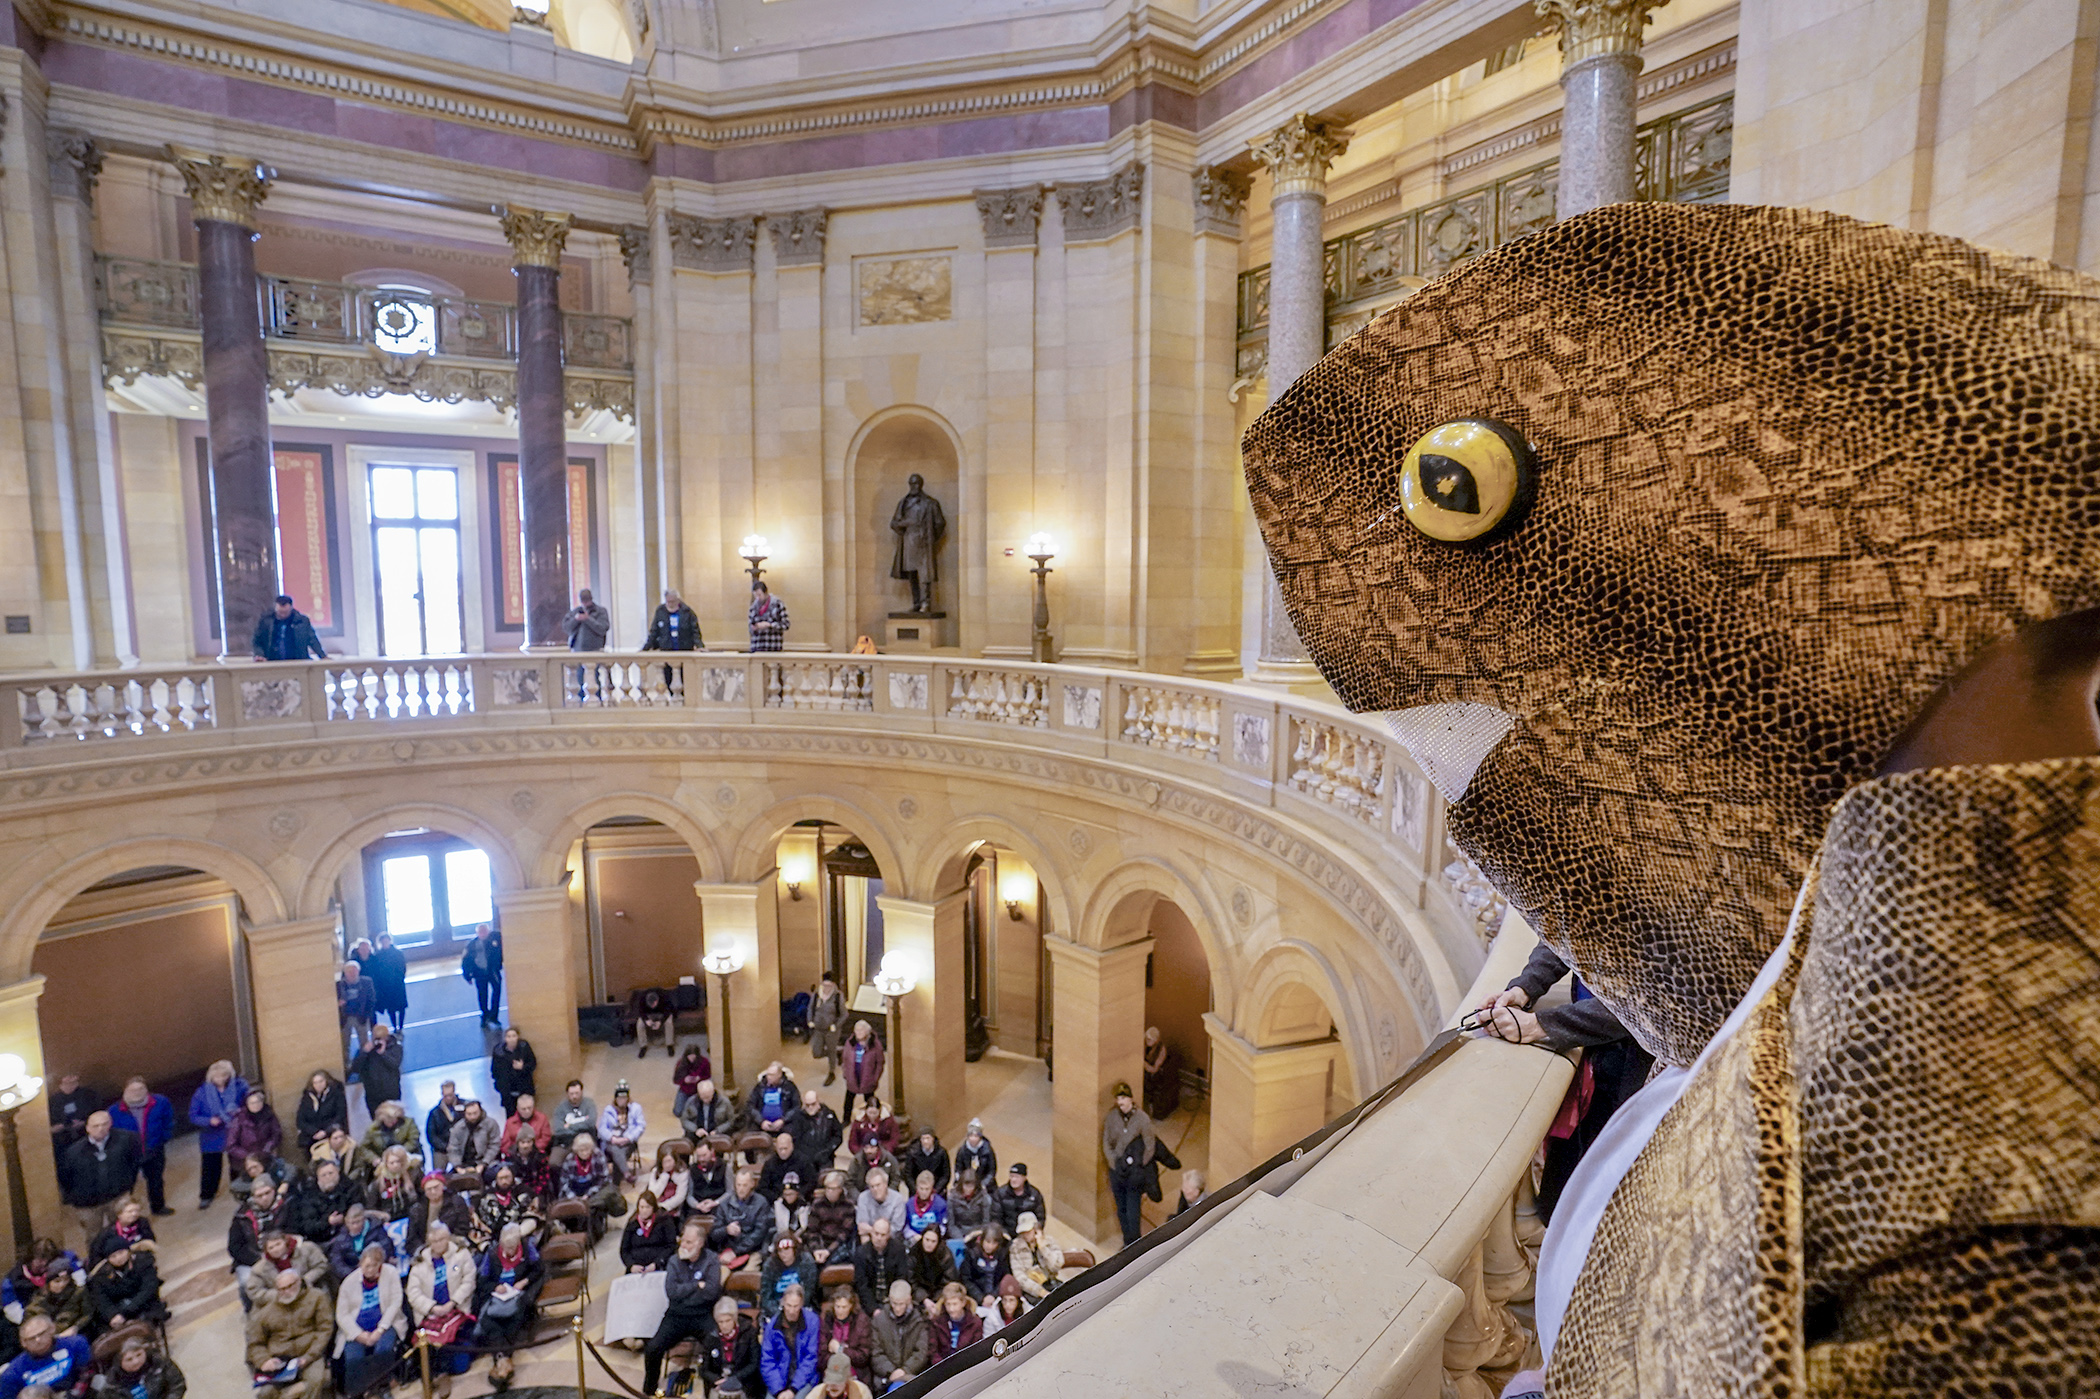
356	340
1310	760
1417	1209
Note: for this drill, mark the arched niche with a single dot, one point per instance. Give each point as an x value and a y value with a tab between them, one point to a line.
892	447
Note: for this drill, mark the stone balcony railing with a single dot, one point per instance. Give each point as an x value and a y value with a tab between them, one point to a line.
361	341
1312	761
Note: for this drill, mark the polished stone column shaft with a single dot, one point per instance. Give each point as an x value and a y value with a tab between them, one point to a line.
1600	44
543	439
1297	155
243	504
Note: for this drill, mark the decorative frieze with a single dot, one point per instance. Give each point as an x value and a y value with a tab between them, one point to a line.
798	238
1011	217
1298	153
1598	28
1103	208
711	245
635	250
1220	196
536	237
76	163
227	191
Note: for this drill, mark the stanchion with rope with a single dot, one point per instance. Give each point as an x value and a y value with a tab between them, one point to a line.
423	1362
576	1330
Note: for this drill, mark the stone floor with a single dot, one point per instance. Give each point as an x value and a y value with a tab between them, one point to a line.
1011	1094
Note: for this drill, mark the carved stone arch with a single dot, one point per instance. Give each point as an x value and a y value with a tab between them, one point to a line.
337	851
33	899
755	853
1119	911
703	841
942	863
1279	986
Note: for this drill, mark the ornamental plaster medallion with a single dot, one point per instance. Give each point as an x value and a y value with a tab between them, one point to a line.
725	796
272	699
1080	841
286	823
1388	1039
404	751
722	685
1082	706
1242	905
907	808
907	689
523	801
1250	740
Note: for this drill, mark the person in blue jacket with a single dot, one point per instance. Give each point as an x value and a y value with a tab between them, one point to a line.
788	1357
152	1118
212	1108
59	1363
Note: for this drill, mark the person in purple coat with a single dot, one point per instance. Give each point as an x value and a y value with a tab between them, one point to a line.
152	1118
213	1107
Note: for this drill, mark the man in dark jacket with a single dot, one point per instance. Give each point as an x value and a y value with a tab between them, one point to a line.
482	964
876	1265
320	1203
587	624
817	1131
692	1283
70	1107
284	633
1016	1198
675	627
378	1068
437	1127
97	1171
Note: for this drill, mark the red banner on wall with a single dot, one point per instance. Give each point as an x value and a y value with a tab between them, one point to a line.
510	535
302	534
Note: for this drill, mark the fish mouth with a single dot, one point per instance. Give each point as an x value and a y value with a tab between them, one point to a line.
1449	741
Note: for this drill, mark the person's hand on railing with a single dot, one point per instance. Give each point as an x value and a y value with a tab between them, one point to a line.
1503	1016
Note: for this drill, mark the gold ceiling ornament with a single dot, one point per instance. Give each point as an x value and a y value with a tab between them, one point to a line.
222	189
536	237
1598	28
1298	153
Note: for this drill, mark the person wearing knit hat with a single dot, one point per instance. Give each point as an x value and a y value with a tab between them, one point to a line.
839	1382
1128	1141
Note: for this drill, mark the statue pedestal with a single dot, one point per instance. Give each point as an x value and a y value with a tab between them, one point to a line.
915	632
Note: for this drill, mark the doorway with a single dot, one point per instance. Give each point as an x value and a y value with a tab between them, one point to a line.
416	560
428	890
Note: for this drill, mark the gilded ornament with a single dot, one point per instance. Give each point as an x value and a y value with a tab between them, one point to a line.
535	236
1298	153
222	190
1598	28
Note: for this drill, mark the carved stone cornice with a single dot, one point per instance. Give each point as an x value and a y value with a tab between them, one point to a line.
1298	153
1220	196
1101	209
711	245
798	238
298	758
227	191
536	237
1598	28
637	251
1011	217
76	163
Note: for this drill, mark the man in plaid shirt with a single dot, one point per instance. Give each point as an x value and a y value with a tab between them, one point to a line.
769	619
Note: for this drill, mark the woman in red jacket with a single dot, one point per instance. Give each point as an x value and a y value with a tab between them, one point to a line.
861	1064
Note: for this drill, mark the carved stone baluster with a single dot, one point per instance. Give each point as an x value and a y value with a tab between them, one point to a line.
31	700
1485	1344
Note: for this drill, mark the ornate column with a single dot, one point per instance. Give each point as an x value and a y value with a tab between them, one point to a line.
1297	155
291	976
788	481
635	576
223	197
1262	1100
1600	56
536	240
539	978
746	919
1098	1001
928	940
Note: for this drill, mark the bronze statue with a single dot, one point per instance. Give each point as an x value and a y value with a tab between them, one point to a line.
919	525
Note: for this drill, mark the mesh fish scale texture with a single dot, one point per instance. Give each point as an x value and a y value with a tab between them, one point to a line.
1793	471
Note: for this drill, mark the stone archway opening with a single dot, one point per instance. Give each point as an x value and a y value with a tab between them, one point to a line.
633	877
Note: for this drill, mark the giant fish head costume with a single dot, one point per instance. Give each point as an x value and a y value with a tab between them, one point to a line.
1651	532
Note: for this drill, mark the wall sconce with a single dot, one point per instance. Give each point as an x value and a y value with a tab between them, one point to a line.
1042	548
795	872
754	550
1013	892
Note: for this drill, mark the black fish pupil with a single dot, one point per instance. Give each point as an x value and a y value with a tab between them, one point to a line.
1449	483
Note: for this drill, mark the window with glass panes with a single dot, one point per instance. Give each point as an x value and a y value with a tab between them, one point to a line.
429	890
415	559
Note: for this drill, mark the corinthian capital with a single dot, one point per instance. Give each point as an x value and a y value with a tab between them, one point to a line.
1598	28
1298	154
536	237
222	189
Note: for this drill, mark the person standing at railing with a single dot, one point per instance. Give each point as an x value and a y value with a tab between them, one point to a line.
675	627
769	620
588	623
284	633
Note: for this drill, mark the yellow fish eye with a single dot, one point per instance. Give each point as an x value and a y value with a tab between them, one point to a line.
1465	480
